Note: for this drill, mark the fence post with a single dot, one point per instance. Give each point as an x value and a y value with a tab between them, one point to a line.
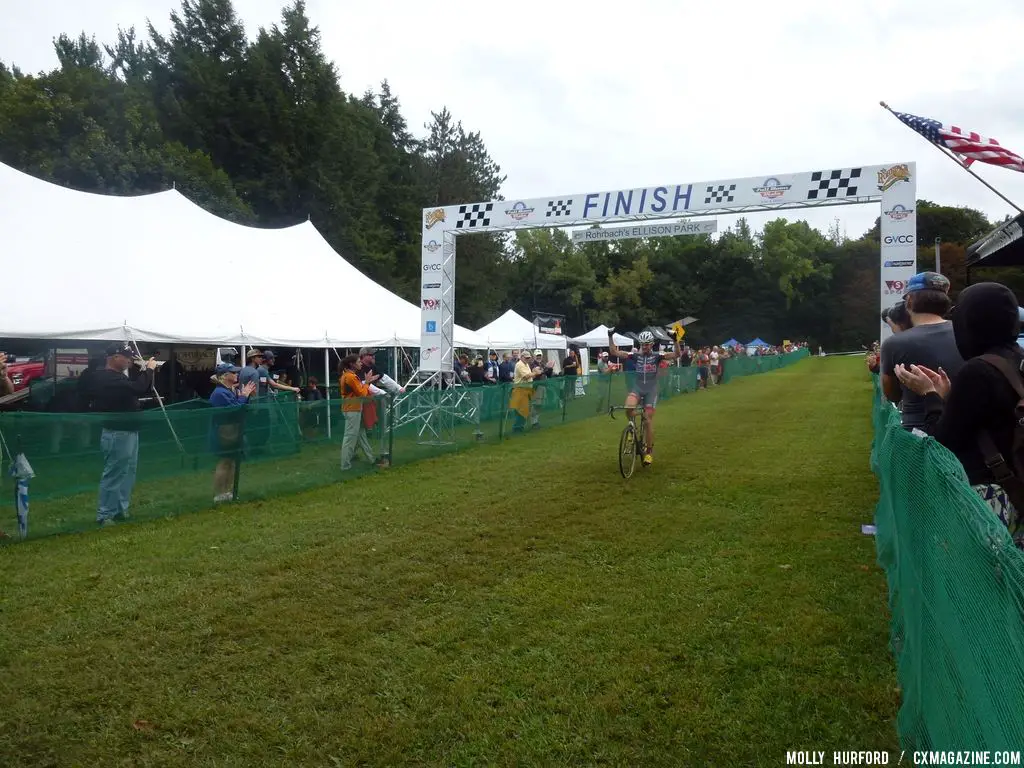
391	431
504	410
570	386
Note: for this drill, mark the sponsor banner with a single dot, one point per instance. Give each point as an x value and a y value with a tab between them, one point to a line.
672	229
900	240
551	324
816	187
898	247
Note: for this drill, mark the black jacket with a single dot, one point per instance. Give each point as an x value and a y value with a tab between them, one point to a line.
985	321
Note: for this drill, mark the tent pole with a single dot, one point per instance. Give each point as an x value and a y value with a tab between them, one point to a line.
327	383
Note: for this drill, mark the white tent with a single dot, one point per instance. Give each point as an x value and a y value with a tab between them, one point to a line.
159	268
513	331
598	337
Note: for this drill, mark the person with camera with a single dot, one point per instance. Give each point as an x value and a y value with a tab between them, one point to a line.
117	396
226	428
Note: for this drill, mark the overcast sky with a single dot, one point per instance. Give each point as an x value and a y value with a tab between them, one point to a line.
575	97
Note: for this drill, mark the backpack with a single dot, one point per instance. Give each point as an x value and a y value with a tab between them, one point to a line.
1009	475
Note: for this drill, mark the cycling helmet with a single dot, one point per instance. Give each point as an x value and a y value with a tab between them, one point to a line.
646	337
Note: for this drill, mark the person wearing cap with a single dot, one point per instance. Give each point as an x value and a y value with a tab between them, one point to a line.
226	428
271	382
492	371
507	369
117	396
929	342
252	372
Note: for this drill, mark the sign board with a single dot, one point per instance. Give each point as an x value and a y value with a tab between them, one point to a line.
551	324
671	229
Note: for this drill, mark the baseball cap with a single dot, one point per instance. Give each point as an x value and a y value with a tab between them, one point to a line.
253	353
927	281
223	368
268	355
121	348
537	353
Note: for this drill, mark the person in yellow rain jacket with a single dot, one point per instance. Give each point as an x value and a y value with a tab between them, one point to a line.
522	391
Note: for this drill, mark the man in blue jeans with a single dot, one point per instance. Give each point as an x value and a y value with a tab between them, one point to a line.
117	396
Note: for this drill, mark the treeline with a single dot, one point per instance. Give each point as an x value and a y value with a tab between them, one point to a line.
260	131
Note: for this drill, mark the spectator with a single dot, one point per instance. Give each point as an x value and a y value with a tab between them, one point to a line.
354	392
272	383
603	367
492	373
85	381
506	369
254	372
571	365
522	391
476	371
713	368
116	395
226	428
930	342
542	370
6	385
312	392
973	412
703	367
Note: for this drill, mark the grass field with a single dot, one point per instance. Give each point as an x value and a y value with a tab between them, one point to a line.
517	604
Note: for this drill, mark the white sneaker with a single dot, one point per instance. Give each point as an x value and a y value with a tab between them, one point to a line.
229	496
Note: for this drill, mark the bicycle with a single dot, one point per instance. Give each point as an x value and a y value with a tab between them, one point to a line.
633	440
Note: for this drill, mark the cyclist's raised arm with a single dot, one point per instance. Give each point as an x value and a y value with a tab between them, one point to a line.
612	349
677	352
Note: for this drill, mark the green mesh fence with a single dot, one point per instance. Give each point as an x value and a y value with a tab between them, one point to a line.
956	595
288	445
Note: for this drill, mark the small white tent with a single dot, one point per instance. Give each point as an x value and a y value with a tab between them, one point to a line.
159	268
513	331
598	337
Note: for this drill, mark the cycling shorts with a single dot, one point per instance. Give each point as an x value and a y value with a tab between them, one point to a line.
646	399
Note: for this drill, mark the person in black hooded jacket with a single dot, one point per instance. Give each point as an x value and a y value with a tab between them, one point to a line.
986	320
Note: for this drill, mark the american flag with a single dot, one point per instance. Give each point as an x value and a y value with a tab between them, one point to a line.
966	145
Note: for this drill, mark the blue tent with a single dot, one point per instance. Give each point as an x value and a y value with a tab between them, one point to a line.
758	342
730	343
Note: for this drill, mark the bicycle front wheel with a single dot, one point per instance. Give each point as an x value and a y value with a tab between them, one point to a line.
627	451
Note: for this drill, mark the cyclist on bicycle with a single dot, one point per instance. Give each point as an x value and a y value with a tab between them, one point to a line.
643	389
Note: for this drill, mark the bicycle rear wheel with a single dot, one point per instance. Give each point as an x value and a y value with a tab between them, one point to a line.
627	451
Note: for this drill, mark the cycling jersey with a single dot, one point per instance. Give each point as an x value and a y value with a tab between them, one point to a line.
645	375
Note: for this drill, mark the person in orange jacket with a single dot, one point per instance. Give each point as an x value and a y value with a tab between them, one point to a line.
354	392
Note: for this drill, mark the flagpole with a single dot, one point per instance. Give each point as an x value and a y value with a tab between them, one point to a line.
957	160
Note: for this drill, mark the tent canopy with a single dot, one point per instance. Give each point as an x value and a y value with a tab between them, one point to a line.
513	331
758	342
730	343
1002	247
158	268
598	337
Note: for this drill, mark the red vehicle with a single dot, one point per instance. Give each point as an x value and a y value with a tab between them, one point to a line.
70	362
22	374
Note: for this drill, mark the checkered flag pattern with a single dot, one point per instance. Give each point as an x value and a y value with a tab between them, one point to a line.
558	208
832	184
720	194
476	215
